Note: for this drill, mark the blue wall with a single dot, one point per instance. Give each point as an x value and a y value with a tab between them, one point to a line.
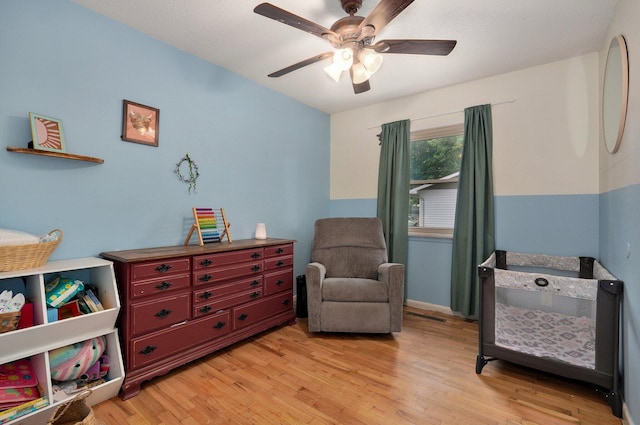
261	156
555	225
620	250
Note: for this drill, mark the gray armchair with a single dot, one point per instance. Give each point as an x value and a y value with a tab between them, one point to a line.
351	287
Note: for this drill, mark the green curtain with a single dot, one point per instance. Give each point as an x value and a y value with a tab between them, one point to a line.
393	188
474	234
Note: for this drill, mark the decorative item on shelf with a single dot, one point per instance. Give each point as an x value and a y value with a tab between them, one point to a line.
210	224
140	123
26	256
47	133
261	231
193	172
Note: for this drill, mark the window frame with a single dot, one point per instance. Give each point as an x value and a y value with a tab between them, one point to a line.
433	133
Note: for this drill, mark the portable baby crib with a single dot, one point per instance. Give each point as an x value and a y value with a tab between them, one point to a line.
555	314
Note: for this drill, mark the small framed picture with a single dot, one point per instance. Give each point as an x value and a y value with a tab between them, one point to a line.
47	133
140	123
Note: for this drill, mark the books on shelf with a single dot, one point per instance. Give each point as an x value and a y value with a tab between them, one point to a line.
91	300
19	393
22	409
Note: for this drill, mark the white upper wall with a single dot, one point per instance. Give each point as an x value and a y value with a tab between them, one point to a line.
546	132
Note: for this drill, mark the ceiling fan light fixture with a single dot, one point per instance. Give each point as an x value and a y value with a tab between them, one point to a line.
334	71
371	60
343	58
359	73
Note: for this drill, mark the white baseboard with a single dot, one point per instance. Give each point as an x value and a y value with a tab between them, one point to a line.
431	307
626	418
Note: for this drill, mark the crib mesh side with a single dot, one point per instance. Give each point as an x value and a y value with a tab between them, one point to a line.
544	311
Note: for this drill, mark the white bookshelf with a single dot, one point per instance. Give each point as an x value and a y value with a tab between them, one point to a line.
35	342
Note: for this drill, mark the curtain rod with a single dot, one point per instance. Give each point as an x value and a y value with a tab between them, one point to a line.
449	113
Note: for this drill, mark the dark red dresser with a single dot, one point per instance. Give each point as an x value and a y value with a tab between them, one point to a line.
180	303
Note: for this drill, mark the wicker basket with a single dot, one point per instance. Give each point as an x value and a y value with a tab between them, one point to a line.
19	257
9	321
75	412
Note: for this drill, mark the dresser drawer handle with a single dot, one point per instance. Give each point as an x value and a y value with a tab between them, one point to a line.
255	295
280	263
164	285
255	283
255	255
163	313
205	278
148	350
279	282
205	309
206	262
206	295
279	251
286	301
243	316
163	268
219	325
255	268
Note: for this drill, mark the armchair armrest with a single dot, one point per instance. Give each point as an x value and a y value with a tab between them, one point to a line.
315	273
392	274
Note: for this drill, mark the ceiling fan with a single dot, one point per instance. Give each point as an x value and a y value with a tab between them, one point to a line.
353	38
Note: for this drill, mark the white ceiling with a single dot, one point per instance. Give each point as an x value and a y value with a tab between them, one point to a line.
494	37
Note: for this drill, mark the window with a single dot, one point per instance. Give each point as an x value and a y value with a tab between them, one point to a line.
435	165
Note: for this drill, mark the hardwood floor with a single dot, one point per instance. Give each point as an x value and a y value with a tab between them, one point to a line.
423	375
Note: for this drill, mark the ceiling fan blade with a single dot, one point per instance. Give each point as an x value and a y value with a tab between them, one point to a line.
301	64
415	47
270	11
382	14
361	88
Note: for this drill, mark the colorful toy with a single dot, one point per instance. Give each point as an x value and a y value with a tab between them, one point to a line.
61	289
73	361
210	224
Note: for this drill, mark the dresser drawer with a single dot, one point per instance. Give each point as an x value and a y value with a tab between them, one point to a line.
214	260
278	263
249	314
217	304
159	268
278	281
217	274
217	291
277	250
159	286
159	313
161	344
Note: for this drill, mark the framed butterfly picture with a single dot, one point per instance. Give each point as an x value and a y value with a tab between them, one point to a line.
140	123
47	133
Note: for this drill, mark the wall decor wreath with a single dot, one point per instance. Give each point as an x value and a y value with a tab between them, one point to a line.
185	162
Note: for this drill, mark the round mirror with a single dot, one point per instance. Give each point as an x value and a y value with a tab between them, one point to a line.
614	93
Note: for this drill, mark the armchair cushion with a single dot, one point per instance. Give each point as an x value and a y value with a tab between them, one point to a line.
354	290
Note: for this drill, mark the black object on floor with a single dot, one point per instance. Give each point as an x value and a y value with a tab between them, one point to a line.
301	296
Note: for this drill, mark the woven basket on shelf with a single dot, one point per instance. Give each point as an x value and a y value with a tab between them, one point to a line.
9	321
19	257
75	412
